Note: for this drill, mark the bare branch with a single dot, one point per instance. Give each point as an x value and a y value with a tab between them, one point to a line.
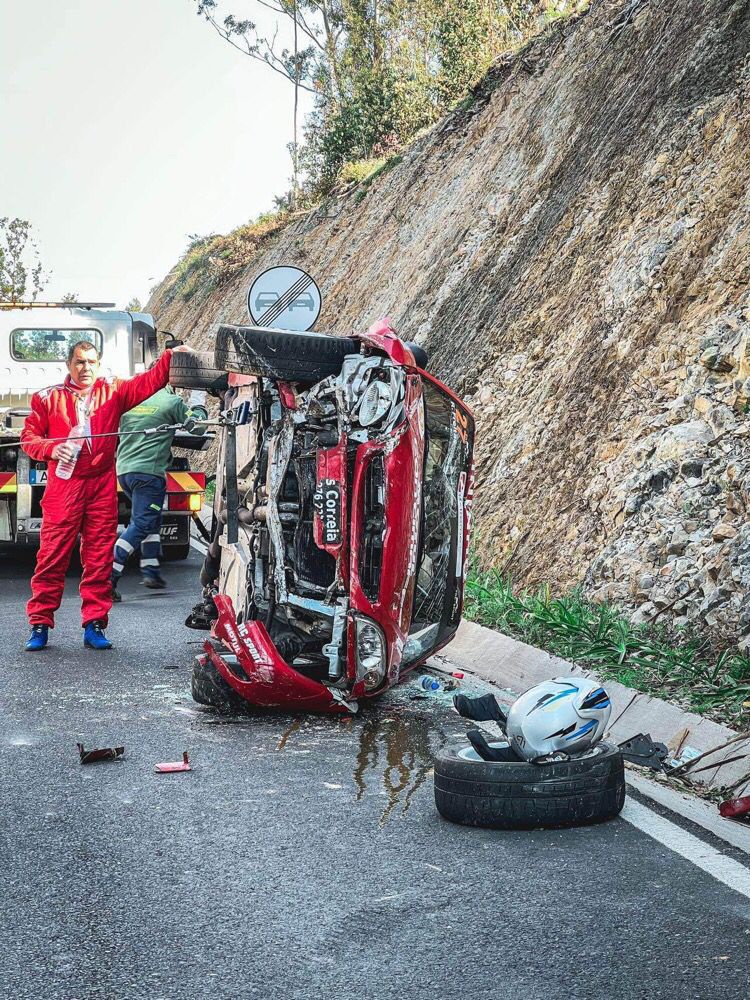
269	58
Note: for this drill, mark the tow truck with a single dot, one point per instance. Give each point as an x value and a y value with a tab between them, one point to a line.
34	341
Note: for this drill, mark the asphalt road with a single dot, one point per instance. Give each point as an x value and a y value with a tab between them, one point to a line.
302	857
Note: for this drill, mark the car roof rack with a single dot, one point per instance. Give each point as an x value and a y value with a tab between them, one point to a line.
57	305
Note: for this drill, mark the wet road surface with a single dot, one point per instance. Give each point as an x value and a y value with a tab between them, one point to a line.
303	856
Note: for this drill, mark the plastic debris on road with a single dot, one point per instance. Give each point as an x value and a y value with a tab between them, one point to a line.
106	753
736	808
429	686
172	767
644	752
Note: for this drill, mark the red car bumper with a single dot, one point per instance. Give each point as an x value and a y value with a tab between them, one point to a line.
261	676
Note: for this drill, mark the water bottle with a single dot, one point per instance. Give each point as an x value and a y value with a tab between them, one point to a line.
429	684
65	466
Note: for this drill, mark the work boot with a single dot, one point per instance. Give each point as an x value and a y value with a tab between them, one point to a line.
154	582
94	637
38	638
115	595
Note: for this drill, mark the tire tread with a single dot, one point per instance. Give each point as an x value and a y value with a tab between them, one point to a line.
521	795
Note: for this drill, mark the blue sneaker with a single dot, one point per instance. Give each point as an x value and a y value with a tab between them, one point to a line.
94	637
38	638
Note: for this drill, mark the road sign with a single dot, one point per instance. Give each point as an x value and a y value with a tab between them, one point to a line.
284	298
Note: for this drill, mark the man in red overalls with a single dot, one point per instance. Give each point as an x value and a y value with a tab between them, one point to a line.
86	503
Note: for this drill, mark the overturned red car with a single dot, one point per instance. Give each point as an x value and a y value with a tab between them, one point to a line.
341	520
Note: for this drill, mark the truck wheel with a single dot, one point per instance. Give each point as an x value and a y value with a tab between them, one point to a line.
172	553
285	355
196	370
208	687
520	795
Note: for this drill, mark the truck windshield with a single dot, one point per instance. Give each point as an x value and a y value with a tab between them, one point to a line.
37	344
447	456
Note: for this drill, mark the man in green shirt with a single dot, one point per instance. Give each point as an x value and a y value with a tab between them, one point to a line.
142	462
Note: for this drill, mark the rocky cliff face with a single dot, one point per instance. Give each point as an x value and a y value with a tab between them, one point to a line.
573	249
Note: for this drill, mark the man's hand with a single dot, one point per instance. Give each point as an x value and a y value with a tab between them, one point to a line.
64	452
182	347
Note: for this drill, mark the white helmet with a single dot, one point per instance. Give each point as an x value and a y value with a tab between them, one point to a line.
567	713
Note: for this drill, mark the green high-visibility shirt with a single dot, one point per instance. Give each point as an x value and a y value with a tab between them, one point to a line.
150	453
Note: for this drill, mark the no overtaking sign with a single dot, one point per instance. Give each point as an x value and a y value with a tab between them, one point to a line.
284	298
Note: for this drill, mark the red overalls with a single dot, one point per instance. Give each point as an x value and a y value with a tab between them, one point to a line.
85	504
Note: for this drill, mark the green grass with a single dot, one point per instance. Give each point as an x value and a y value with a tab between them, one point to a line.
598	637
364	172
211	260
357	171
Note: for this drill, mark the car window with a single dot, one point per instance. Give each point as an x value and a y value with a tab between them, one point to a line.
445	460
40	344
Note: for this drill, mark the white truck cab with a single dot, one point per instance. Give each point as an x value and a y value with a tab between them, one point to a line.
34	342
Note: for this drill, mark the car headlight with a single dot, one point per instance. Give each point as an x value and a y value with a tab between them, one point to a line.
370	647
375	403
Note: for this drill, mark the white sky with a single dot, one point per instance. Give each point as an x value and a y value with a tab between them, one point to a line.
126	126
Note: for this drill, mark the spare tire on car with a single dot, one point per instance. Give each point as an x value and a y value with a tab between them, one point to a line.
197	370
285	355
517	795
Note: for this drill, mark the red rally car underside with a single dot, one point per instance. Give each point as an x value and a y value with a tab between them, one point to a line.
344	568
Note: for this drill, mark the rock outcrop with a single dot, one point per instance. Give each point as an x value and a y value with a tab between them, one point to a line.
573	249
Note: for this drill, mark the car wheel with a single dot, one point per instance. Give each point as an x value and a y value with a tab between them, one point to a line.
196	370
518	795
286	355
208	687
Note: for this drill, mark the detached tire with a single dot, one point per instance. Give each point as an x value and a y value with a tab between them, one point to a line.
196	370
520	795
208	687
285	355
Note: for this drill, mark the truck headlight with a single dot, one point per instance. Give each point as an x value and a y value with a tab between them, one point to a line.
371	648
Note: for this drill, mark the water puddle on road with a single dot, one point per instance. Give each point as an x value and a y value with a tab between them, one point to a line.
393	742
397	738
397	752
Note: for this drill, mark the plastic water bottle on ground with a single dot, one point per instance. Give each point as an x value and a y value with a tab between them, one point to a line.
65	466
430	684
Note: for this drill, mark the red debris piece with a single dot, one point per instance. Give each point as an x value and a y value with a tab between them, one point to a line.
735	807
92	756
170	767
459	674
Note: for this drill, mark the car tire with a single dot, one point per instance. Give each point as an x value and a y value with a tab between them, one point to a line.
285	355
519	795
208	687
197	370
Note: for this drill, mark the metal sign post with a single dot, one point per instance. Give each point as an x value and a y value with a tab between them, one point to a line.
284	298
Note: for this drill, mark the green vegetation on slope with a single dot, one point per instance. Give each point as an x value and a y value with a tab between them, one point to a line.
209	261
597	636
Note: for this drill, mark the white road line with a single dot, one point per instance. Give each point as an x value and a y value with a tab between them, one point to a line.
199	546
717	865
697	810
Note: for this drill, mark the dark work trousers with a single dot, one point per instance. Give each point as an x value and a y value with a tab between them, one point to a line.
146	494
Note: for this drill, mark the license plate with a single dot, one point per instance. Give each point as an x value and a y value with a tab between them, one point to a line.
38	477
327	503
